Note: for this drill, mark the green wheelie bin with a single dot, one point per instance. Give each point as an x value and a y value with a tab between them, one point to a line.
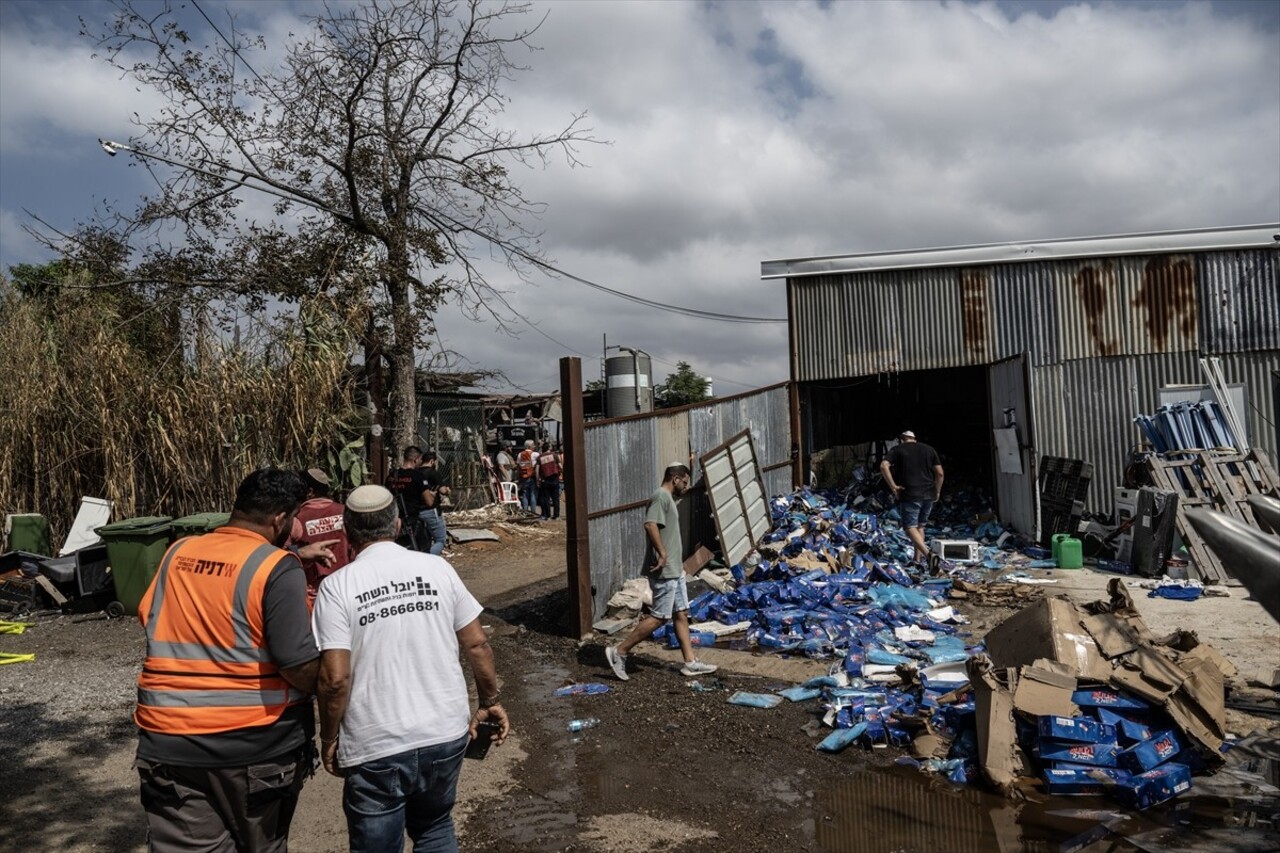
199	523
135	547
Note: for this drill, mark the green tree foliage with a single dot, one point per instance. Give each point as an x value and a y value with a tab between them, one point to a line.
681	388
380	134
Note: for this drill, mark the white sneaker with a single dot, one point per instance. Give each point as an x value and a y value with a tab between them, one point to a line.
617	662
697	667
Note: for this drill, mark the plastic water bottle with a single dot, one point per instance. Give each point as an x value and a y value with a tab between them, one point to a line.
585	723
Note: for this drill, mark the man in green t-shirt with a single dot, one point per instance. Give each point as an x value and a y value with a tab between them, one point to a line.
664	568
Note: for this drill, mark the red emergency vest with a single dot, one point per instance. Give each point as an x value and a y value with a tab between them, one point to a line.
549	465
320	520
207	668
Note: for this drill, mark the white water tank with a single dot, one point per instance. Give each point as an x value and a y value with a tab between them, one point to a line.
628	384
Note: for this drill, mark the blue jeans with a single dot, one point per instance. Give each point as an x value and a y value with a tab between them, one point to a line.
529	494
433	523
914	513
413	791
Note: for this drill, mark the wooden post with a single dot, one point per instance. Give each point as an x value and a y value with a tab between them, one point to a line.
578	540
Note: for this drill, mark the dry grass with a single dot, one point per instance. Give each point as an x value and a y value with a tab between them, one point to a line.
96	399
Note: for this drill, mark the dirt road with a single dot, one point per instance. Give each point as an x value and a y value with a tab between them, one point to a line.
668	768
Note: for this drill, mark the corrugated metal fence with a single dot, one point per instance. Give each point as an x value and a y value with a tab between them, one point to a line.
625	458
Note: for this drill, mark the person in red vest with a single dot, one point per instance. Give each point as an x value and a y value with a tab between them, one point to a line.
224	710
549	483
527	468
319	522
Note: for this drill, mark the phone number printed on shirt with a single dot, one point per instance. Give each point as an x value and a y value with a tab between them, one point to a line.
399	610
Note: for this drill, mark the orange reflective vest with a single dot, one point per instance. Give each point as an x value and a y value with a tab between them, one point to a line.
527	463
207	668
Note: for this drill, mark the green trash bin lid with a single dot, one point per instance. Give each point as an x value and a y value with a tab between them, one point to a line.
142	526
200	522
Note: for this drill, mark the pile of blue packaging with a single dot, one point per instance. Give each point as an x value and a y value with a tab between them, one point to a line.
851	614
897	675
1120	747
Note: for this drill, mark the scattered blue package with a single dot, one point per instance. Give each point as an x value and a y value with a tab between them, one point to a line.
1155	786
1076	779
697	639
1100	697
1177	593
1149	754
588	689
877	655
1097	754
1129	731
800	694
1037	553
841	738
755	700
1077	729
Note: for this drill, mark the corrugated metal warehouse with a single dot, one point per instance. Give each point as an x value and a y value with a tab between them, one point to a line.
1068	340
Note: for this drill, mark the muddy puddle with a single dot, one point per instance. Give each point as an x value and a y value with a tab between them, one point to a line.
717	777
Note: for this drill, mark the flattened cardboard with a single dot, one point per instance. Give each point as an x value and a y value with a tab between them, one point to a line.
999	755
1112	634
1049	628
1045	692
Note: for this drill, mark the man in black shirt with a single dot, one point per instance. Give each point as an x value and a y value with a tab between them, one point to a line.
407	483
433	488
913	472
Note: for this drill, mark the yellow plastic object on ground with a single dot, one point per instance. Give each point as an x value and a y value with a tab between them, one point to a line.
13	627
11	658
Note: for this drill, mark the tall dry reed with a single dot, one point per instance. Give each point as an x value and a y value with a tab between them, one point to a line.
98	399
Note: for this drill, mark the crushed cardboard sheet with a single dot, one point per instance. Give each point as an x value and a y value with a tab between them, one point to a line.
1036	657
994	594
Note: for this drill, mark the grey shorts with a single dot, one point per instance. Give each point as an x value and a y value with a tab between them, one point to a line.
669	595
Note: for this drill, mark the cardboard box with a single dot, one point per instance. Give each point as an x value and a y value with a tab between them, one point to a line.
1155	786
1080	780
1094	754
1076	730
1050	629
1099	697
1149	754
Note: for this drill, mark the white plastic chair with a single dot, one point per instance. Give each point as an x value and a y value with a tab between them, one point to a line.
509	496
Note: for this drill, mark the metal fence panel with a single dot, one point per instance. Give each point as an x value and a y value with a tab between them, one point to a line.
625	460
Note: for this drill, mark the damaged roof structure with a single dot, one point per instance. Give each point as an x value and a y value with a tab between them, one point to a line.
1065	341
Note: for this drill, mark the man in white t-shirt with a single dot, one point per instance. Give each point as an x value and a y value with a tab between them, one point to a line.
395	717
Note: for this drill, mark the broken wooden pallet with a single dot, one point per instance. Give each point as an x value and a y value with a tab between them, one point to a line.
1205	479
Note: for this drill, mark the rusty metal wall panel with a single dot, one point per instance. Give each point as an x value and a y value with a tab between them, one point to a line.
1239	296
946	317
1126	306
673	441
1026	312
621	458
859	324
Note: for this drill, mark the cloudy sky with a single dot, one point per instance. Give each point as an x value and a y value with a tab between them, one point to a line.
742	131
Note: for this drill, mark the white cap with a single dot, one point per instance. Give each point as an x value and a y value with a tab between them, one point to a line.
906	433
369	499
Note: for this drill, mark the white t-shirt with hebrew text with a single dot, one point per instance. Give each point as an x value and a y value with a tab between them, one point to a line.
398	612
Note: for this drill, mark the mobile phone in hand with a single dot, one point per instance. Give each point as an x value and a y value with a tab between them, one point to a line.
478	748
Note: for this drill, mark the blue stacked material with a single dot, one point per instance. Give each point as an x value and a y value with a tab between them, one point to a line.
1187	426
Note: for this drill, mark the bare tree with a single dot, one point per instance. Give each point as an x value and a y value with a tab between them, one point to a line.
379	132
